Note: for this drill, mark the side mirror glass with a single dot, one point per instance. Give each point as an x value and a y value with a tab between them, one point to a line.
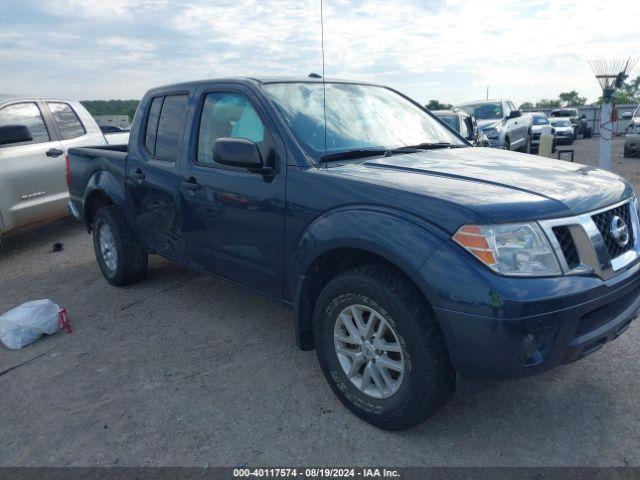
14	134
237	152
515	114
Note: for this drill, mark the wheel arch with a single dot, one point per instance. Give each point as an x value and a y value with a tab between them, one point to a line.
333	245
103	188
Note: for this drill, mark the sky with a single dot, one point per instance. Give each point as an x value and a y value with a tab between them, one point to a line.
449	50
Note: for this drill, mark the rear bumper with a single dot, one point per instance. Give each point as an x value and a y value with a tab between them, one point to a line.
485	348
74	208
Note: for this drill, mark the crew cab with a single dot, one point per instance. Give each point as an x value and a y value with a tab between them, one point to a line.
35	134
502	123
406	256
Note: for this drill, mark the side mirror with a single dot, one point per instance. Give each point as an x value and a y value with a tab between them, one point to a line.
14	134
237	152
515	114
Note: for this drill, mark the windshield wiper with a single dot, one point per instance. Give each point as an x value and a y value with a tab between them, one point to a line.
372	152
350	154
431	146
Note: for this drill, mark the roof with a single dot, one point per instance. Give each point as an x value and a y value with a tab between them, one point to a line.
4	98
261	81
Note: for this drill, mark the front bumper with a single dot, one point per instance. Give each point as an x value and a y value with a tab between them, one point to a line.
492	348
499	327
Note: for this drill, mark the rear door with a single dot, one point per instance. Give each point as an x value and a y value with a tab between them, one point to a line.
153	175
32	183
234	219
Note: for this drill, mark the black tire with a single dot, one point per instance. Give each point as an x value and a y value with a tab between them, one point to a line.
131	257
507	143
429	378
628	153
587	133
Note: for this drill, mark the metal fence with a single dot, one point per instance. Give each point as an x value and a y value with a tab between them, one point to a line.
592	115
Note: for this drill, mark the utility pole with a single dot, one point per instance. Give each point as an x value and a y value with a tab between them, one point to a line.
487	92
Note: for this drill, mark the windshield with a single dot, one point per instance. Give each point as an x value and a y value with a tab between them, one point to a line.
565	113
540	120
561	123
484	111
357	117
452	120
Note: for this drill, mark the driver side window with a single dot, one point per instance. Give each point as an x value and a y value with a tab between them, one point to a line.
227	115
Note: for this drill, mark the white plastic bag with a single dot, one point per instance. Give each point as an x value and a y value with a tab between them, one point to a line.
28	322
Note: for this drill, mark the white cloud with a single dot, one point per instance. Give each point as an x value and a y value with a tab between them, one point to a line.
445	49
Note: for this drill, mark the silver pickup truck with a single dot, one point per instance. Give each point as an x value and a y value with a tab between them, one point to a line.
35	134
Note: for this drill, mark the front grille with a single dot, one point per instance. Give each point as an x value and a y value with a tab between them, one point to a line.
567	245
603	222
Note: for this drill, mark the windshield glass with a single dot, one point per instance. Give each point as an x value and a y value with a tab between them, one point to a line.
540	120
358	117
484	111
452	120
561	123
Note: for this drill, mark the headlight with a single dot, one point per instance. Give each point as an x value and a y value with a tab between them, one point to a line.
491	132
513	250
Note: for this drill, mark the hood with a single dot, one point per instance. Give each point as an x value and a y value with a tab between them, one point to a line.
497	186
488	123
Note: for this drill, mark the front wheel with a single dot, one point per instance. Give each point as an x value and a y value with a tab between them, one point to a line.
380	348
120	255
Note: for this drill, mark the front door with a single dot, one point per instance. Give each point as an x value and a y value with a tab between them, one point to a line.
153	175
32	182
232	219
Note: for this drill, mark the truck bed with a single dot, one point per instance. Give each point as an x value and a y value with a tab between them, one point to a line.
85	162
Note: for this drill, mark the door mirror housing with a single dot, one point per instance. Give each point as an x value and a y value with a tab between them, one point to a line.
14	134
515	114
238	152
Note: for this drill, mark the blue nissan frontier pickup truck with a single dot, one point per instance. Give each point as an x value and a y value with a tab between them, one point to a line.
406	255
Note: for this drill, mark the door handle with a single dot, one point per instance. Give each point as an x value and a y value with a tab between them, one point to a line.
54	152
138	175
191	184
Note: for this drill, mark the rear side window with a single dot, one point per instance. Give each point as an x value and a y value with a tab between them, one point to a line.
67	121
152	125
27	114
170	126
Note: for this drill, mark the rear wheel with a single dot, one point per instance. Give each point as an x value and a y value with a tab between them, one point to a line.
120	255
627	152
381	349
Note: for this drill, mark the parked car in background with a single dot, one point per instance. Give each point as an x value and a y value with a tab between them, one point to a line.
563	130
632	138
407	256
578	122
464	124
115	135
539	120
502	123
35	134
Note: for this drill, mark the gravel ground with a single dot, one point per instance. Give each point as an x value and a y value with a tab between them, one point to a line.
183	369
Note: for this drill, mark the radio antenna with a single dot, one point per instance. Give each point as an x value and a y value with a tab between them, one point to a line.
324	84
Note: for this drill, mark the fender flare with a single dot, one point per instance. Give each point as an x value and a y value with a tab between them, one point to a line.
402	239
102	183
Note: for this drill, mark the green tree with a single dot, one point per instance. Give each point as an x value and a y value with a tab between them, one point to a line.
629	92
111	107
436	105
526	106
548	103
572	99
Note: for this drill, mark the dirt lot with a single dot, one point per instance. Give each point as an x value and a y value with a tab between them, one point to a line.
183	369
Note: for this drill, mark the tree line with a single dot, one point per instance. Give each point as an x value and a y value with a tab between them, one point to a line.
111	107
